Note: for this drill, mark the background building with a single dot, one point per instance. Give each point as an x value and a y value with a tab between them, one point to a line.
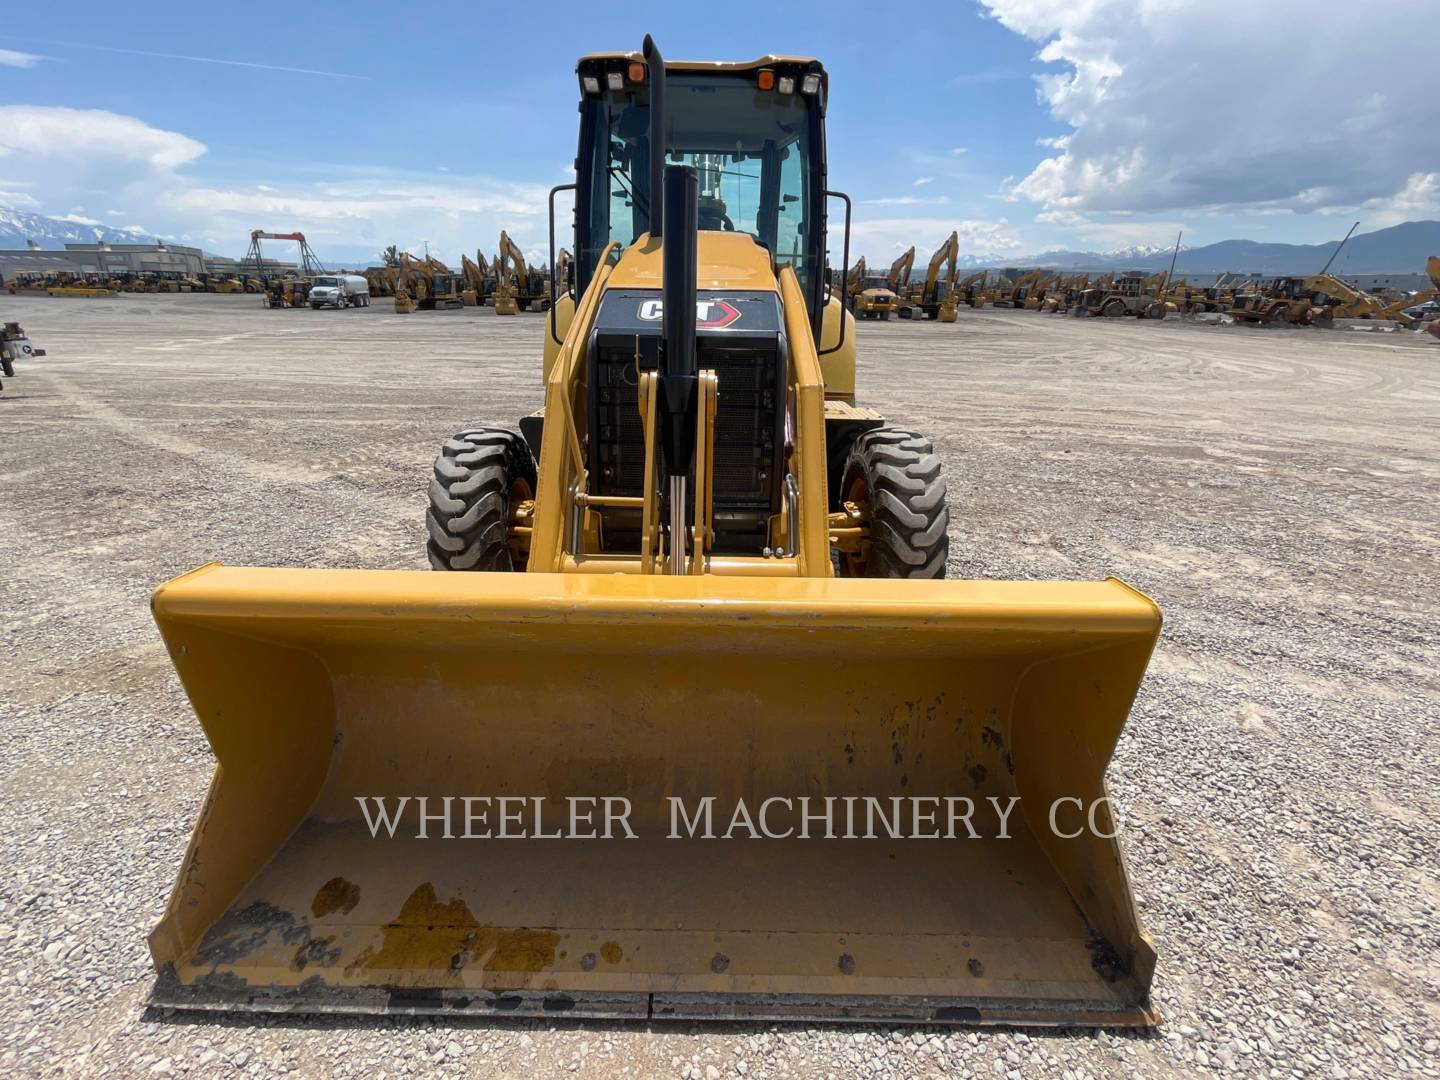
171	259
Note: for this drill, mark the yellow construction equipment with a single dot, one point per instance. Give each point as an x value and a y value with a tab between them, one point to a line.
972	290
425	284
381	280
519	285
1062	292
1334	299
854	282
898	281
929	297
1033	294
1283	301
1140	295
732	611
1010	288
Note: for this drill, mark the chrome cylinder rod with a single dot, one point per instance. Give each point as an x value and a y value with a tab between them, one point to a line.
677	525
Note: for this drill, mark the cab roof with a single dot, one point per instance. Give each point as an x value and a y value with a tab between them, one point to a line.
768	60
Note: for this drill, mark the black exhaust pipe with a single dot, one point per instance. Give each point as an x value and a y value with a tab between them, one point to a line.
655	75
679	377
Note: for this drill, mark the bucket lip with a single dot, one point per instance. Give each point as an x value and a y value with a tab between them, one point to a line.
224	592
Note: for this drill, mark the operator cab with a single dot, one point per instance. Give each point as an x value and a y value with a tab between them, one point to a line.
754	135
754	132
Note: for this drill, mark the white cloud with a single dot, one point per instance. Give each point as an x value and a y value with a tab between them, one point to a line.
1303	128
55	132
1066	219
921	181
11	58
73	157
956	151
76	219
894	235
20	200
1419	198
907	200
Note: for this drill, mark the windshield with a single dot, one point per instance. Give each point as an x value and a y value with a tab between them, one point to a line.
330	281
751	149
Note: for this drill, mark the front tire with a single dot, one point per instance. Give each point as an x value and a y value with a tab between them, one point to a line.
893	476
480	474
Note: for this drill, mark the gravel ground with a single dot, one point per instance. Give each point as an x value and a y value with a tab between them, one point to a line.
1276	490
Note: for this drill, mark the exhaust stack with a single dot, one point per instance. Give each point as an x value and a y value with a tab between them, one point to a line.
679	379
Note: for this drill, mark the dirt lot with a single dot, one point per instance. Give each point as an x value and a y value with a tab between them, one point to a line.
1275	490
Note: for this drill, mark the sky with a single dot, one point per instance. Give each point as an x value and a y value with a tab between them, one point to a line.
1025	125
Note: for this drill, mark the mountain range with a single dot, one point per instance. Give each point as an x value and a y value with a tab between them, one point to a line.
1400	249
52	234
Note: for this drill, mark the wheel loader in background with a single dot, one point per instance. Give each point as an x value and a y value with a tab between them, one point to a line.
718	596
1129	294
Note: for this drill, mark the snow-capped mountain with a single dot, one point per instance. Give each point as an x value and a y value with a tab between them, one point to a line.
19	226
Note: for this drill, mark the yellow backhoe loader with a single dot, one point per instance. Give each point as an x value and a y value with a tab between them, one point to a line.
714	608
1285	300
1336	299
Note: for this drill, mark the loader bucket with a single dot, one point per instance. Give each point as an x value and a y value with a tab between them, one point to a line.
320	690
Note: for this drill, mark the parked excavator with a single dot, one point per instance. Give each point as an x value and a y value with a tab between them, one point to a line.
425	284
1063	292
1008	291
714	607
477	280
933	296
1032	294
520	285
854	282
972	290
897	281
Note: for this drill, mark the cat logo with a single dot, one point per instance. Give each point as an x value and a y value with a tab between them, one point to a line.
709	314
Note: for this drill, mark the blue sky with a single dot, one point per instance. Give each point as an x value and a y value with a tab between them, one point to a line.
403	125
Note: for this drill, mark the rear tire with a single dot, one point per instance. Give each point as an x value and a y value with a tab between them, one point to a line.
897	473
478	475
